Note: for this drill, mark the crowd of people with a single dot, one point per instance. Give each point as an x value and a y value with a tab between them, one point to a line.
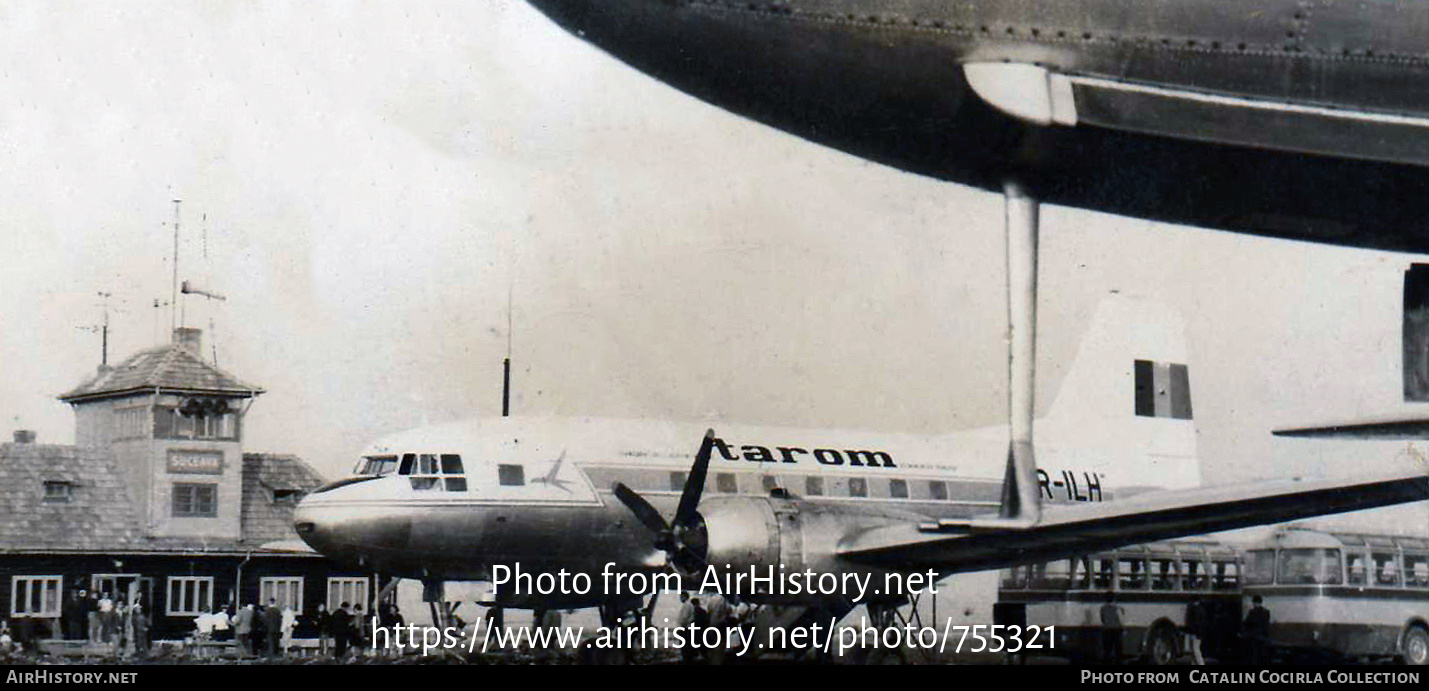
269	630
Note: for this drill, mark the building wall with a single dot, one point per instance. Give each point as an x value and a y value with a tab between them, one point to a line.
77	571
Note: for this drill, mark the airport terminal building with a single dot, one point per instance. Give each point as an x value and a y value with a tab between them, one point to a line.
157	500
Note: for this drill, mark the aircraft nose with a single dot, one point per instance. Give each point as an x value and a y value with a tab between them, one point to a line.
313	525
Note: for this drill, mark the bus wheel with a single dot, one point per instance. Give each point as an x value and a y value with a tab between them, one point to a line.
1416	646
1161	648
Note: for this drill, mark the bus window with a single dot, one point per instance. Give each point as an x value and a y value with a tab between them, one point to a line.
1227	576
1081	573
1053	575
1131	573
1259	567
1355	569
1014	578
1306	566
1164	570
1386	568
1416	570
1192	576
1105	568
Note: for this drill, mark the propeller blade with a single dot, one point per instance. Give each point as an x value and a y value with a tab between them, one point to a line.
695	483
647	514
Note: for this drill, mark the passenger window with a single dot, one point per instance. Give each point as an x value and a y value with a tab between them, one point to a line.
1386	569
511	475
814	486
725	482
1165	570
451	464
898	489
770	483
938	490
1132	574
677	481
1355	570
1416	570
1105	569
407	460
424	482
857	487
456	484
426	464
1227	576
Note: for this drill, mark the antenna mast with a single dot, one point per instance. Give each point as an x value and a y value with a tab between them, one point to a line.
174	293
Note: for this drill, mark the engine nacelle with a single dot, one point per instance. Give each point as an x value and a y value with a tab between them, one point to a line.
744	533
772	536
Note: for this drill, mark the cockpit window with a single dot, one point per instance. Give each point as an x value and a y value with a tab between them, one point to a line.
376	465
430	471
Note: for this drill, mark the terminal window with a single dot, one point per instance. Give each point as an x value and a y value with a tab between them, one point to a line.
286	590
190	595
35	596
351	590
195	500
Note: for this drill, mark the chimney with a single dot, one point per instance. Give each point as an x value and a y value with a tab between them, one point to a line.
189	339
24	436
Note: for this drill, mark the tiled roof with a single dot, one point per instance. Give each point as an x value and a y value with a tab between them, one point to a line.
171	367
100	516
266	518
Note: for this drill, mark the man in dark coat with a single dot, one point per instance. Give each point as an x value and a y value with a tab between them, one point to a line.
1256	634
273	625
341	630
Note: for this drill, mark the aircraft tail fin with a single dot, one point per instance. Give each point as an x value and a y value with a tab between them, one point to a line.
1124	408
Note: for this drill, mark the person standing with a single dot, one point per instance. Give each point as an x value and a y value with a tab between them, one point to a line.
341	623
140	621
71	614
1256	633
719	612
243	629
1195	629
272	626
323	621
106	618
685	620
1111	614
91	616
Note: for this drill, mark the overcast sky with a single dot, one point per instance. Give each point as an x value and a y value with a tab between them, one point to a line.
377	177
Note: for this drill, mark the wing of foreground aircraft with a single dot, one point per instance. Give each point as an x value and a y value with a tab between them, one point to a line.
952	547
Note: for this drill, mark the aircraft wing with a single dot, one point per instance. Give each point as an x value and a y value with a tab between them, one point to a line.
959	546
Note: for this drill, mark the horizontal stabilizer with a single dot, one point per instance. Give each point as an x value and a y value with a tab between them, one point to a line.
1388	430
1073	530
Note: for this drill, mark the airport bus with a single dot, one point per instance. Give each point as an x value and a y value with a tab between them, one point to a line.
1152	583
1348	595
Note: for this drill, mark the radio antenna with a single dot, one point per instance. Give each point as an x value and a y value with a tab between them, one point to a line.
174	292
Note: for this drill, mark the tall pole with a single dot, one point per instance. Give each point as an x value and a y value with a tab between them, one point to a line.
174	293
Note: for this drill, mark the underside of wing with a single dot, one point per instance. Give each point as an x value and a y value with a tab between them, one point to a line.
1035	94
959	546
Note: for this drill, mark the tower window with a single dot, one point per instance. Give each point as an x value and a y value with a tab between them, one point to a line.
195	500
